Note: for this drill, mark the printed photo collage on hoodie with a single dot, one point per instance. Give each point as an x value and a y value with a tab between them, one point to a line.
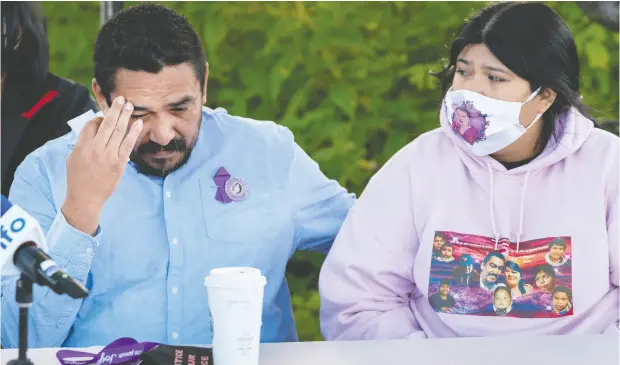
474	275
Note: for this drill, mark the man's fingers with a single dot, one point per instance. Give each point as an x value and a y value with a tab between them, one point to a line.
109	122
106	108
89	130
120	130
130	141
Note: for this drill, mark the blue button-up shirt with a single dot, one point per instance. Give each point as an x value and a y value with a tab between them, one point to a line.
158	238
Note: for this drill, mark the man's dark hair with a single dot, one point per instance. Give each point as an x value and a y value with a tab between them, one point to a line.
565	290
25	53
557	242
444	282
493	254
146	37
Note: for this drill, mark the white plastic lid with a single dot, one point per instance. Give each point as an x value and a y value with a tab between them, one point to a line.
235	277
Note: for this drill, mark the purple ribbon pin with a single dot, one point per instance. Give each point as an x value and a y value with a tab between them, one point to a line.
119	351
229	189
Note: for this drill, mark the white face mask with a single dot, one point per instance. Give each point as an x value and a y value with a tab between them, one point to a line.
487	125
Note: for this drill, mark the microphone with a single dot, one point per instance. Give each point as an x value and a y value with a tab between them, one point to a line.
19	235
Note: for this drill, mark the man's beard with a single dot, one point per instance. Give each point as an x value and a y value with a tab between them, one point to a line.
176	145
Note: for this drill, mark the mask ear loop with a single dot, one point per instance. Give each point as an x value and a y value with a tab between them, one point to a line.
537	115
529	98
534	121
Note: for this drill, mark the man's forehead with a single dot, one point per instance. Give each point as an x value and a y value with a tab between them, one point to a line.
167	83
149	99
176	100
171	73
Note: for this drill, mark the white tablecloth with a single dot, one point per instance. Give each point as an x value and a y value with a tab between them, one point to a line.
505	350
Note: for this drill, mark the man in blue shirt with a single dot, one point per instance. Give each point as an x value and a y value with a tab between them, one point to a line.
202	189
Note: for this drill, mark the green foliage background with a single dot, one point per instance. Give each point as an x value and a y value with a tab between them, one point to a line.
350	79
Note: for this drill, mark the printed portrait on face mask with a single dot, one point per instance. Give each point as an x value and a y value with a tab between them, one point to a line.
468	122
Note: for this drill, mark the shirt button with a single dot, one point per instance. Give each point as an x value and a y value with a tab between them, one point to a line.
168	194
89	250
175	335
175	290
175	241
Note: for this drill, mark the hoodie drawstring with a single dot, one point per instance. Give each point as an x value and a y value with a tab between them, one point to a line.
522	208
492	207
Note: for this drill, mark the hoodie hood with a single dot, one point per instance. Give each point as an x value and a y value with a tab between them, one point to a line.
574	131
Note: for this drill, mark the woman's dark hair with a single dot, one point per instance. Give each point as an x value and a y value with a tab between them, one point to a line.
534	42
515	267
25	53
146	37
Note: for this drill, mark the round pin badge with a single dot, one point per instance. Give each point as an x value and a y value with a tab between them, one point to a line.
236	189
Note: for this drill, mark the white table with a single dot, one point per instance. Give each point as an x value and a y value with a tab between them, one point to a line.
506	350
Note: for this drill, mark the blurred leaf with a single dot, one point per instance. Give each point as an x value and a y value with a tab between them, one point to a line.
314	302
597	55
345	97
213	33
280	72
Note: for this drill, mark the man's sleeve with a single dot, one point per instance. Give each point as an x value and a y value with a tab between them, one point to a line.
51	315
319	205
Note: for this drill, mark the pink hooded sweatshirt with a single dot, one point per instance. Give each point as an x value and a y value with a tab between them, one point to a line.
446	244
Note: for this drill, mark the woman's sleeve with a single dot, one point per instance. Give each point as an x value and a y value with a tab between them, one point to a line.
367	279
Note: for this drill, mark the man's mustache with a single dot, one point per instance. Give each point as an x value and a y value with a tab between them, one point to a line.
176	144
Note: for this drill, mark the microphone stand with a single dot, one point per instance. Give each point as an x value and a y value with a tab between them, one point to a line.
24	302
37	267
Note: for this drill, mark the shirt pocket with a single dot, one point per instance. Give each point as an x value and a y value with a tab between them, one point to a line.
254	220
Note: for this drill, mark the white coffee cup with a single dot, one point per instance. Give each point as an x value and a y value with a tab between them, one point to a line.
236	303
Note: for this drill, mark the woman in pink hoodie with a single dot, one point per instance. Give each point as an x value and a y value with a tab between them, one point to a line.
539	172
